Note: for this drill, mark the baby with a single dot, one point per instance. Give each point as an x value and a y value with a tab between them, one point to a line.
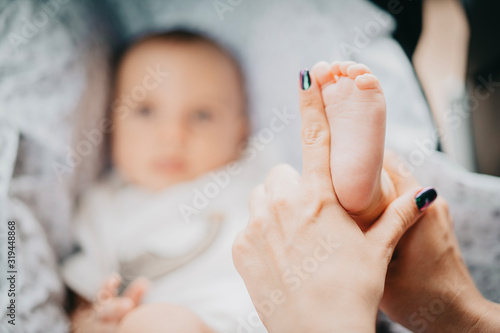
184	132
172	141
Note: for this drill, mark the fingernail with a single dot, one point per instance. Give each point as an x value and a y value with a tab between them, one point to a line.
425	197
305	79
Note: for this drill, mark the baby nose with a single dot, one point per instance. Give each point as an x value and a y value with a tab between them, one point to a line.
173	134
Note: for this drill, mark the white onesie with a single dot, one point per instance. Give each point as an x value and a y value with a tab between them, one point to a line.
180	238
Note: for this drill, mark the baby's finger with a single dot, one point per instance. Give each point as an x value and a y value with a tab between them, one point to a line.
315	132
110	287
137	289
115	309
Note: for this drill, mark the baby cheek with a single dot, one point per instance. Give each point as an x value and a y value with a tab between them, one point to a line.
208	153
130	155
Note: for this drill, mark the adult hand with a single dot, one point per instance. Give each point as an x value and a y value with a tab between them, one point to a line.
428	287
307	265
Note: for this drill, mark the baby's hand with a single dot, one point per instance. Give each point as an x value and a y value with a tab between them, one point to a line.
105	314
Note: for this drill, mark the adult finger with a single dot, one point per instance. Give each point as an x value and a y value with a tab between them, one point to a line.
315	132
400	215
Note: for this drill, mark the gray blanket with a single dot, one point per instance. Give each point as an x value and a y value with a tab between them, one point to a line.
54	88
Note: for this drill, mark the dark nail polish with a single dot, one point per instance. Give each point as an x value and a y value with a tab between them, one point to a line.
425	197
305	79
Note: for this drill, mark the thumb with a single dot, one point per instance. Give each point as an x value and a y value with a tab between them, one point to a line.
109	288
400	215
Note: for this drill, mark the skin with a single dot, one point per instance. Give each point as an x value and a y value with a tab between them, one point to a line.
192	122
356	112
162	318
106	313
299	235
428	286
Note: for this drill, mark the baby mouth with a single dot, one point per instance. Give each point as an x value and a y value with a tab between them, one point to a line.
169	166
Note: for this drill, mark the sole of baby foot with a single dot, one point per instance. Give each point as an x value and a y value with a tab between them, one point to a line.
355	106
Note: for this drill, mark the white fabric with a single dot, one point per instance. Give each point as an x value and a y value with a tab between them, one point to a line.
118	223
54	90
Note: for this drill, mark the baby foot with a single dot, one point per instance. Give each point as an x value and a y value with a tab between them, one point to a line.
355	107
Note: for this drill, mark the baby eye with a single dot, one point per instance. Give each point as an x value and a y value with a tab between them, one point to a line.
202	115
144	111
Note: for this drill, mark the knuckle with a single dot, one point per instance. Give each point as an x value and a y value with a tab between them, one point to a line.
309	102
323	200
317	201
256	225
315	134
321	195
403	215
279	202
240	246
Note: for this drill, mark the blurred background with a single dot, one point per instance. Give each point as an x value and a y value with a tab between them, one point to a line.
438	62
457	61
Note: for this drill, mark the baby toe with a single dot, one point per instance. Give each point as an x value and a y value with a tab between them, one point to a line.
367	81
322	73
335	68
356	70
344	66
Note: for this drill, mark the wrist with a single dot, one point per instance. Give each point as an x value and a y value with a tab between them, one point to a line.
483	316
338	311
471	314
352	322
351	313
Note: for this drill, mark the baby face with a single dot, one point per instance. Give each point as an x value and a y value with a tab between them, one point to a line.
193	121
